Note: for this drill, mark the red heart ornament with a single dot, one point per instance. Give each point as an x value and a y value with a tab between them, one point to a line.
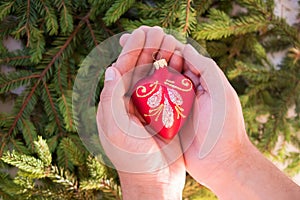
164	99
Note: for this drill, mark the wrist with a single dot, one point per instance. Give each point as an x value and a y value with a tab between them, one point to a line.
234	173
249	175
148	187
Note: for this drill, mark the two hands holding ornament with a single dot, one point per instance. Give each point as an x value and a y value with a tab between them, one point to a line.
212	146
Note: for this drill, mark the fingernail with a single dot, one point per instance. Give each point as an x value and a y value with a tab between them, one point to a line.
110	74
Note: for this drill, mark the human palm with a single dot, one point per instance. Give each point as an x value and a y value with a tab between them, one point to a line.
135	153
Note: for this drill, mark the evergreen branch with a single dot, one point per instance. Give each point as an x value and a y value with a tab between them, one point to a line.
65	104
27	23
51	20
117	10
10	84
91	31
72	151
107	186
66	19
90	98
109	31
202	6
26	163
5	9
96	169
53	107
43	152
8	59
223	28
55	57
29	132
169	15
187	13
281	27
26	101
63	177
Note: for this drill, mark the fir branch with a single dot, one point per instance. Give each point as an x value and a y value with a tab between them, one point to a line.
201	6
54	111
5	9
187	13
51	19
26	163
98	7
15	79
117	10
65	106
28	131
91	31
96	169
43	152
13	126
169	13
188	21
66	19
27	23
7	60
72	152
223	28
64	178
33	89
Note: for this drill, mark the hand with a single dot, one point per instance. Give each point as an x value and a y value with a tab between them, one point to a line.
146	168
220	136
221	155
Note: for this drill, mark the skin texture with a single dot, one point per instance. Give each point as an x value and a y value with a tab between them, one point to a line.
220	155
161	182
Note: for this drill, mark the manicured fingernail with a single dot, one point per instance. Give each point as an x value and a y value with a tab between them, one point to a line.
110	74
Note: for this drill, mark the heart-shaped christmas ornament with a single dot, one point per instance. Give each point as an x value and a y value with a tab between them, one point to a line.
164	99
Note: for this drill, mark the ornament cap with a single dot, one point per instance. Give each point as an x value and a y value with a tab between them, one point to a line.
161	63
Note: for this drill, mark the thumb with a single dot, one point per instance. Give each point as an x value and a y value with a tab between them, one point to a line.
112	78
111	102
203	67
112	91
112	112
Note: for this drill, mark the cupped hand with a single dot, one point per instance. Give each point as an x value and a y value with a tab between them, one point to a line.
140	158
220	130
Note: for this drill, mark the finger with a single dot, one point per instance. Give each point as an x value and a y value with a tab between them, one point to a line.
195	79
146	28
201	66
214	85
176	61
167	48
133	112
112	91
124	38
131	51
112	78
154	38
112	110
179	46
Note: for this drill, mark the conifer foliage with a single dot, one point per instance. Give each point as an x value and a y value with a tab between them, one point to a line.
42	156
